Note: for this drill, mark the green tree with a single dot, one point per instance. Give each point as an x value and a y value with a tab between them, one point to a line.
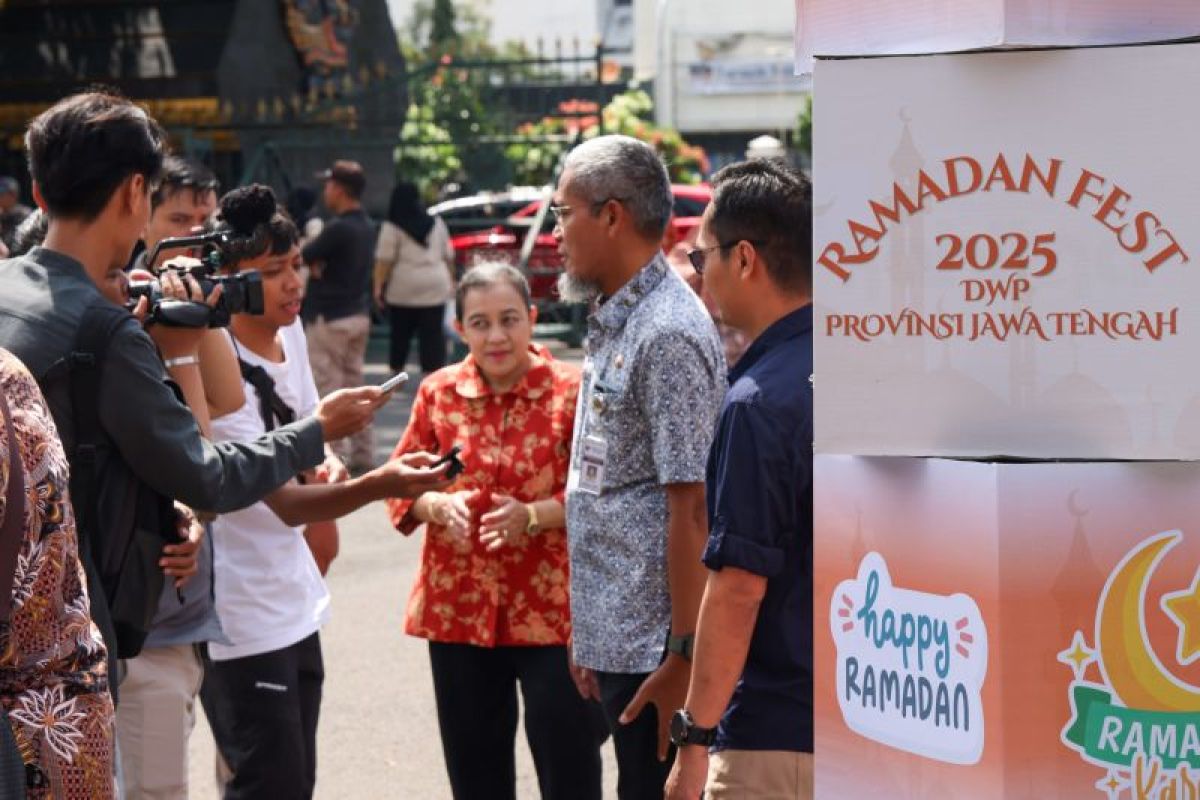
443	31
802	135
426	154
629	113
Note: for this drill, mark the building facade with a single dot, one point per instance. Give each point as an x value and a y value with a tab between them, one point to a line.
723	73
266	91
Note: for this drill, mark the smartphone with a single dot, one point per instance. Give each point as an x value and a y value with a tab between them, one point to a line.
451	458
394	382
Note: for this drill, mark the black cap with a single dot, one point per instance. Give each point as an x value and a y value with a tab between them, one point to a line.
349	174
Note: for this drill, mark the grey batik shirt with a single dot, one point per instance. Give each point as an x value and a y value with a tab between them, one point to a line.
652	387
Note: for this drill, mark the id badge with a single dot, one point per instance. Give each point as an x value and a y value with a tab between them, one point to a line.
592	461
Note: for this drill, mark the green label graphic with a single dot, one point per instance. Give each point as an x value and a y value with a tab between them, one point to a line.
1115	735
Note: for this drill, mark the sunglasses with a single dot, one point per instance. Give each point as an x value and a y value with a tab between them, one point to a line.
699	256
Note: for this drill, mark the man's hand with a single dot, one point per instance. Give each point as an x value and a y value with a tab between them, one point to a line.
452	511
665	688
505	524
414	474
174	342
180	561
332	470
689	774
585	680
348	411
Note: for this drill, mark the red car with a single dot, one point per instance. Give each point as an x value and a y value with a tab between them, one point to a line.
503	242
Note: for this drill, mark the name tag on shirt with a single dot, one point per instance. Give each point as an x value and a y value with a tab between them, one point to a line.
592	460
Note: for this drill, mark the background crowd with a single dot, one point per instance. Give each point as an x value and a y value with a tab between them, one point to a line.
626	546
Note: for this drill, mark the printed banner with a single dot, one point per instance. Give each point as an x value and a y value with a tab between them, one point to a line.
906	27
1007	630
1004	246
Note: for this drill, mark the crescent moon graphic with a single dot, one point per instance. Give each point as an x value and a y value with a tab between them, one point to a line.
1129	665
1073	507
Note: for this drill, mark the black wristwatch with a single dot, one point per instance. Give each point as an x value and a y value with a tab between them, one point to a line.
681	645
685	731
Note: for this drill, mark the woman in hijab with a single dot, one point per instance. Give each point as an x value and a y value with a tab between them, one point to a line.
414	278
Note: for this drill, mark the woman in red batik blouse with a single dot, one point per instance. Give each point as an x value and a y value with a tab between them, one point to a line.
491	594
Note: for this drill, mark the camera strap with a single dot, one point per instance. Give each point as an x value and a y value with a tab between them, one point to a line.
271	407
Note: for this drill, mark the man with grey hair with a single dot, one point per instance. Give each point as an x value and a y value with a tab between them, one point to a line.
651	391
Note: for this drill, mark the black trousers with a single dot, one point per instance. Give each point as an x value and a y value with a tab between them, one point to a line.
640	775
476	693
426	323
263	711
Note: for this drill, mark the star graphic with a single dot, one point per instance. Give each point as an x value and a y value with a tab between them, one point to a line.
1078	655
1184	608
1111	784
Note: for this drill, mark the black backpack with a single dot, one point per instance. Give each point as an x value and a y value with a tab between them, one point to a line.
122	523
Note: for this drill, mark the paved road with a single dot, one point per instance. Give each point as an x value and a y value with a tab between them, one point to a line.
378	736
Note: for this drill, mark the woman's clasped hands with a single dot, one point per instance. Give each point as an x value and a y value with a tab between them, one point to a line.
505	523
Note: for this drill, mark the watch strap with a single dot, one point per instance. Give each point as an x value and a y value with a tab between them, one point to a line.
685	731
682	645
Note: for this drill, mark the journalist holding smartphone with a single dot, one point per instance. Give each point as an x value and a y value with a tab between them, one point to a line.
491	595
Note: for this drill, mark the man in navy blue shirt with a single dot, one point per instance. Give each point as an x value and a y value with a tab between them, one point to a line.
750	695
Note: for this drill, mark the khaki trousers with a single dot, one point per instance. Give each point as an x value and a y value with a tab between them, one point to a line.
336	352
154	720
759	775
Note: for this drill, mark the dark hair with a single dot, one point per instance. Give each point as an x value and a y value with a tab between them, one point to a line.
182	173
82	148
769	203
407	212
30	233
300	203
490	273
250	212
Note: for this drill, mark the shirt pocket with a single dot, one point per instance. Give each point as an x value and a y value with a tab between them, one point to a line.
612	405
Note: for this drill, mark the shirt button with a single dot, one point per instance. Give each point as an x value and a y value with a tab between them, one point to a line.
620	361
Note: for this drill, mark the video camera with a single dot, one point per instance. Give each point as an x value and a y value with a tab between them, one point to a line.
240	294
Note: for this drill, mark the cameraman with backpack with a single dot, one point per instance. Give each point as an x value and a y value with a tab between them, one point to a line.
133	447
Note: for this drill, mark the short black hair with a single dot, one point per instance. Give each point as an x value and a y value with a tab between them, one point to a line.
253	215
768	203
83	147
490	274
180	173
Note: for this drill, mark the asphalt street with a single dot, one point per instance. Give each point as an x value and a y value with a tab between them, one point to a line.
378	734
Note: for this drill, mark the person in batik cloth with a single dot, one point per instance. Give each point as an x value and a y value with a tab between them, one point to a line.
491	595
53	665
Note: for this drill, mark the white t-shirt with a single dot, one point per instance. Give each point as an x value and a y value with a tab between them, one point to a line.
269	592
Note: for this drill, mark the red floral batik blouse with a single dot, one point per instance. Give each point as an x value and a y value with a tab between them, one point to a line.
516	444
53	665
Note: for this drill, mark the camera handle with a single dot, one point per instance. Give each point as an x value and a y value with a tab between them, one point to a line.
181	314
217	238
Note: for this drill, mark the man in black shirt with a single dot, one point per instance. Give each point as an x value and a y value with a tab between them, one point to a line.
337	310
751	693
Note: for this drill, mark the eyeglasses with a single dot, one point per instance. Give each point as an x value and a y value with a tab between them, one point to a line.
699	256
562	212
